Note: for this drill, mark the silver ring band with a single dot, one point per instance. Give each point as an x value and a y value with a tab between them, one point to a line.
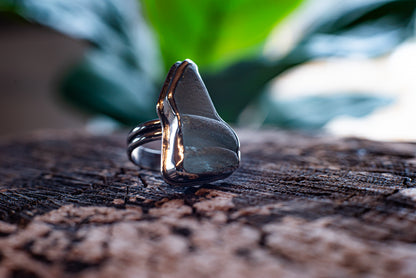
142	134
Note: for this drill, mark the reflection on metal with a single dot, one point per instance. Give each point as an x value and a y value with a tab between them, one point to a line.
197	145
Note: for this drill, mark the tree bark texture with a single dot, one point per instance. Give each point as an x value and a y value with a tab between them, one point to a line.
72	205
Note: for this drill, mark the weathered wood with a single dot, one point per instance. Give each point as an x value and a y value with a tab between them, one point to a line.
72	205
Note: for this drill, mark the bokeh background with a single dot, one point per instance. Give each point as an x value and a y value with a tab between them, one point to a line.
344	67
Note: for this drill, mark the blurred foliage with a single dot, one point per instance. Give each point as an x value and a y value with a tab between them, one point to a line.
122	73
214	32
6	6
364	29
312	112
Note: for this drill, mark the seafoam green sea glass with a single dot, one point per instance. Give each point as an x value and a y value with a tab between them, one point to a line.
197	145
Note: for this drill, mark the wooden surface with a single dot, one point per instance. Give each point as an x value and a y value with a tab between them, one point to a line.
72	205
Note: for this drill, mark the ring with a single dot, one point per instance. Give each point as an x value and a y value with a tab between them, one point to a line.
197	146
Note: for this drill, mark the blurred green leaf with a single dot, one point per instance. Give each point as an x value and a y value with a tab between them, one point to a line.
110	25
240	84
108	85
315	111
362	28
120	74
214	32
6	5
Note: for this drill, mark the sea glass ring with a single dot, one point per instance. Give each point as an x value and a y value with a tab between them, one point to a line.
197	146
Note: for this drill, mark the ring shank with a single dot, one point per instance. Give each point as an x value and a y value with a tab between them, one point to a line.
142	134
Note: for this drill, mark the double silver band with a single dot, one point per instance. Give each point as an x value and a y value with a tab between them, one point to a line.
142	134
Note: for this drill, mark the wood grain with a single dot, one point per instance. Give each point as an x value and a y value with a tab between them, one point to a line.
72	205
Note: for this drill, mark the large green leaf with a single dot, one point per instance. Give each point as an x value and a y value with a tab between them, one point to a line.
119	73
362	28
214	32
